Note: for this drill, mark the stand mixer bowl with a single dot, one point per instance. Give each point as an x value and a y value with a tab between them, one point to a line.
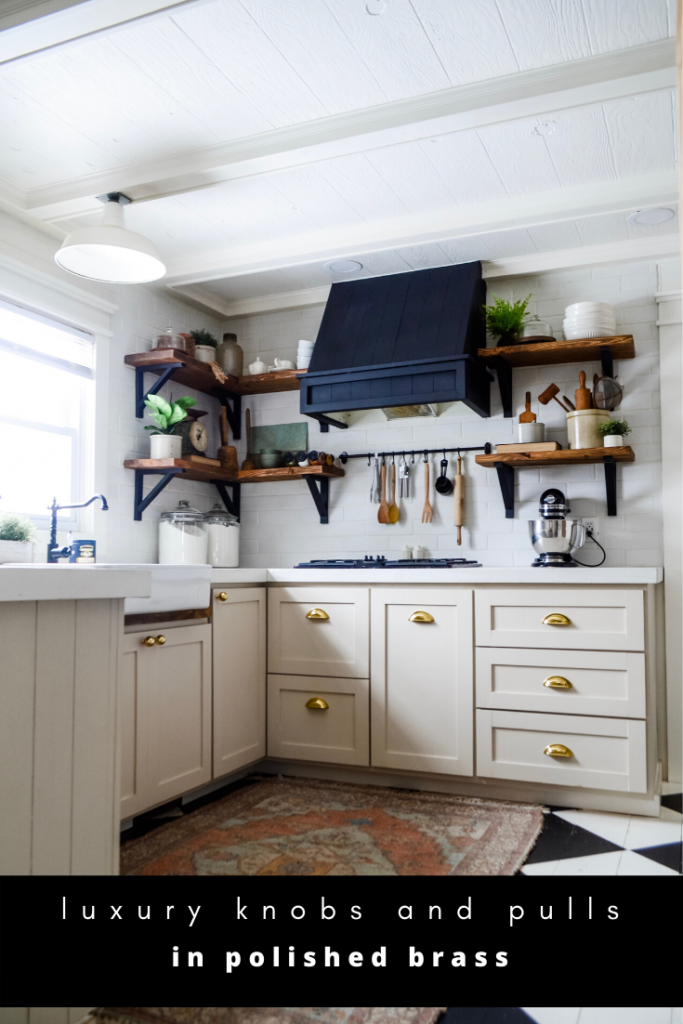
556	536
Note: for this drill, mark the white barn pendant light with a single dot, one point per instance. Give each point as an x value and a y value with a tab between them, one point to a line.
109	251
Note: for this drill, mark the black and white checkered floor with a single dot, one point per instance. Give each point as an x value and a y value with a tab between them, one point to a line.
562	1015
597	843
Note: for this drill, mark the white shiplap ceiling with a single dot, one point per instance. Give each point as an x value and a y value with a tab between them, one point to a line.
262	136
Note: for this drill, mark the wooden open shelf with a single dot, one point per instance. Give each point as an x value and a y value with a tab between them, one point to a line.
195	374
505	466
547	353
317	478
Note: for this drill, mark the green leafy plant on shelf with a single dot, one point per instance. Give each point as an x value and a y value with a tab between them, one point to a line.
16	527
610	427
167	415
204	338
504	320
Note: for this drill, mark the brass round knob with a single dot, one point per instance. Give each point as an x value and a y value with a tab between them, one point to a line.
222	596
556	619
161	640
149	641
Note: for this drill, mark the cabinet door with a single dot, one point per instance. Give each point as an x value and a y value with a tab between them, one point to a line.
166	716
239	678
422	680
318	631
334	728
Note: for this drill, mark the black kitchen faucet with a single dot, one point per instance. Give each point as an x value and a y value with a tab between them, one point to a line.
53	552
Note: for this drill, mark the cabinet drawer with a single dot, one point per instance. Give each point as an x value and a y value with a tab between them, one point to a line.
338	733
599	620
319	631
608	683
606	753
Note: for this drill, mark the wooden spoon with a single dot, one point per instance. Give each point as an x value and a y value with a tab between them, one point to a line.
427	514
383	510
393	508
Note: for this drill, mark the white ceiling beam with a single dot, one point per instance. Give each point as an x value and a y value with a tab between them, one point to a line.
650	248
413	229
29	29
536	93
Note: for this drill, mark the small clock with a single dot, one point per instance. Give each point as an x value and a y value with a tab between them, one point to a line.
195	436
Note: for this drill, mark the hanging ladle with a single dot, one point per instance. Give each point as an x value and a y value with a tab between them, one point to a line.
443	485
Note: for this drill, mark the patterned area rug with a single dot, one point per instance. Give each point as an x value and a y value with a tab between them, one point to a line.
270	1014
299	827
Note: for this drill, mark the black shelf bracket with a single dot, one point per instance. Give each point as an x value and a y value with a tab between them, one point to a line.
140	503
504	371
232	504
140	393
327	421
506	479
320	495
611	484
233	412
607	361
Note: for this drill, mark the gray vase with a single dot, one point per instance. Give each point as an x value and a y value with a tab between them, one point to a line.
230	356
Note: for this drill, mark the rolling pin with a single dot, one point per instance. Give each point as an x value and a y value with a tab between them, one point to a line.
583	395
459	489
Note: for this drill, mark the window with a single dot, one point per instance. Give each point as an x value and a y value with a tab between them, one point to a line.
46	395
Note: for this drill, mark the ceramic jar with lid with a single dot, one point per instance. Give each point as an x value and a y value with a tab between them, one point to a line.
229	355
183	536
224	538
536	329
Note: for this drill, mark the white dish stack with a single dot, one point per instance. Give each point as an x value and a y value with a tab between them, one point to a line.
303	354
589	320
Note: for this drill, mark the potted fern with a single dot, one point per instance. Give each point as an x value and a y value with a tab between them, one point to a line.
613	432
17	536
504	320
204	346
165	442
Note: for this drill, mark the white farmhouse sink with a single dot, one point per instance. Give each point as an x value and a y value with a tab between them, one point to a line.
174	588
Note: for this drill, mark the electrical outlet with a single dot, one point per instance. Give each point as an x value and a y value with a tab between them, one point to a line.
594	526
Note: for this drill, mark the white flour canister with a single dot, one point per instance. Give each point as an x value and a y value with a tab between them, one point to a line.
224	538
183	536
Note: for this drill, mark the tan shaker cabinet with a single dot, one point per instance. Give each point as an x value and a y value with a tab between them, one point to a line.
422	680
318	631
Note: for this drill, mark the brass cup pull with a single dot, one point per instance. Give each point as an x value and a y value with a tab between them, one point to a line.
557	683
317	704
421	617
558	750
556	619
161	640
222	596
148	641
316	613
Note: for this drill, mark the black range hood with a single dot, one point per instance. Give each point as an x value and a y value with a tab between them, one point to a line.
403	339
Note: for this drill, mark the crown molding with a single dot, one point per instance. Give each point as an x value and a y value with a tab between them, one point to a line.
534	93
278	303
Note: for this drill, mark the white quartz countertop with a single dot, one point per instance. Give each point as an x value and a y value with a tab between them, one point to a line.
451	577
72	582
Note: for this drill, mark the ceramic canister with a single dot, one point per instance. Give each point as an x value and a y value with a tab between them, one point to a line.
582	427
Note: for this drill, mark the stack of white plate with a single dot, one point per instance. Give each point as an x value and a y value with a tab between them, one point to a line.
589	320
303	354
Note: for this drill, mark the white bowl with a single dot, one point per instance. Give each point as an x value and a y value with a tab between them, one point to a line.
605	328
588	307
590	321
573	335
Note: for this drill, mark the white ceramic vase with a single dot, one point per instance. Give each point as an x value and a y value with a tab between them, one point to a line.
613	440
205	353
15	551
165	446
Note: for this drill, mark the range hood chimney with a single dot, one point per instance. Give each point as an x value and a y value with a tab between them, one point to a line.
403	339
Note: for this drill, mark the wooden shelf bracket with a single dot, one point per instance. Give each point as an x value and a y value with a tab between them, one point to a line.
140	503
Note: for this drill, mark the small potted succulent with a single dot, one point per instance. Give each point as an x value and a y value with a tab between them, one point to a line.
165	442
613	432
204	346
17	536
504	320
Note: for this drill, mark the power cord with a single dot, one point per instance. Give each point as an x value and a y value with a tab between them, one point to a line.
604	553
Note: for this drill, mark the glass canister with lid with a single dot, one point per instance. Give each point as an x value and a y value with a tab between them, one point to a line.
224	538
183	536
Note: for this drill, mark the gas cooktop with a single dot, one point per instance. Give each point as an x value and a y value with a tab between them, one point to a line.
381	562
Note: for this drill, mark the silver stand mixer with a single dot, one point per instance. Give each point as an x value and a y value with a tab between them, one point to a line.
554	537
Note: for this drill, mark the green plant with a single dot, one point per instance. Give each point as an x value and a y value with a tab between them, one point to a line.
204	338
16	527
167	415
610	427
504	318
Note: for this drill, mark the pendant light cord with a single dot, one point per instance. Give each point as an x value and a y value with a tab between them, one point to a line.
604	553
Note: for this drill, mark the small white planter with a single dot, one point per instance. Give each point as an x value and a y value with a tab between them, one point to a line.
165	446
16	551
613	440
205	353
